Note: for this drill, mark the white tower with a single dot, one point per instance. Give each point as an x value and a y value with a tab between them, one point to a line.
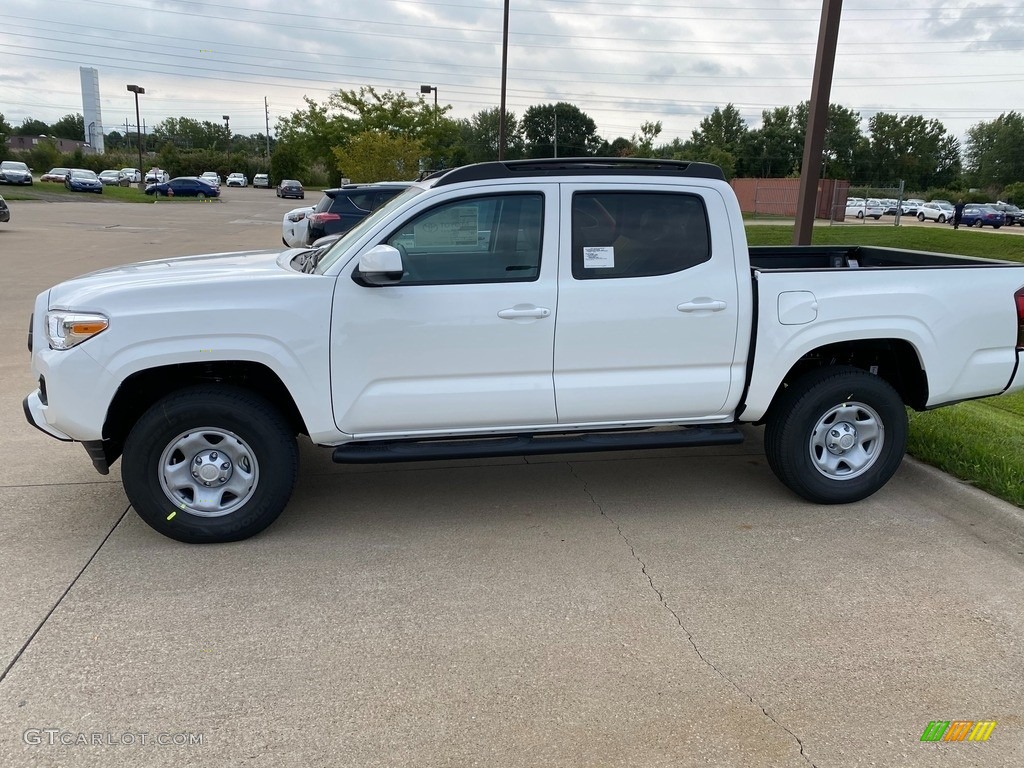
91	108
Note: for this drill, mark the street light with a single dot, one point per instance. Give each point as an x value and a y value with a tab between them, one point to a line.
138	127
428	89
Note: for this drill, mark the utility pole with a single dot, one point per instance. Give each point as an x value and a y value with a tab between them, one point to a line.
504	72
556	131
266	109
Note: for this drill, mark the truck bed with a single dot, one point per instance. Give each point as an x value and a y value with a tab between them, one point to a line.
804	257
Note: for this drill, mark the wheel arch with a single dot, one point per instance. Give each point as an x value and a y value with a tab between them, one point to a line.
894	360
139	391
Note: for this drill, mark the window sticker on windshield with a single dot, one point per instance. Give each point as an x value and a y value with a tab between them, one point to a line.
598	257
452	226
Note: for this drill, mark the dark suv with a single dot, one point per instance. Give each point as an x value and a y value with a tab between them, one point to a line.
341	209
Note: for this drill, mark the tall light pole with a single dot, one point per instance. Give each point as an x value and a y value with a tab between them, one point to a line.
227	128
138	129
428	89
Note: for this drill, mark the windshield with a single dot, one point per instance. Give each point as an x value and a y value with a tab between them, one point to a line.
9	165
335	252
83	174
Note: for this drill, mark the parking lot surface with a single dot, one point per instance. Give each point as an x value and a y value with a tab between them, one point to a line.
667	608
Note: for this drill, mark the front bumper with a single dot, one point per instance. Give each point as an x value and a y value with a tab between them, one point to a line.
35	412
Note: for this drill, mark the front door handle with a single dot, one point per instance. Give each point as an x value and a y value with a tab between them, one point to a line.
702	305
520	311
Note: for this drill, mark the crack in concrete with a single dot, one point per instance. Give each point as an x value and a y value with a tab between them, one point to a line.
679	620
31	637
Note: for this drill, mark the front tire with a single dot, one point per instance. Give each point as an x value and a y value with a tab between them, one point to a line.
836	435
210	464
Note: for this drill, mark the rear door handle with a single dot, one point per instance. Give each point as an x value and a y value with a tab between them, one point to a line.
523	310
702	305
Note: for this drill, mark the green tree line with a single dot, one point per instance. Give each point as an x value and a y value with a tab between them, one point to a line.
368	135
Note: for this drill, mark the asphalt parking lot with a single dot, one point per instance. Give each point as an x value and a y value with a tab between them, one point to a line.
668	608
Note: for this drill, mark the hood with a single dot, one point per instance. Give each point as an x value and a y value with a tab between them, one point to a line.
186	272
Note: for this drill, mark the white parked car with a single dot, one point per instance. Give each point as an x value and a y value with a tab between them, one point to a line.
157	176
937	210
295	226
237	180
261	181
213	177
134	174
860	208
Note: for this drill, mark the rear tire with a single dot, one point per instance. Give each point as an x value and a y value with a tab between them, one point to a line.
201	195
210	464
836	435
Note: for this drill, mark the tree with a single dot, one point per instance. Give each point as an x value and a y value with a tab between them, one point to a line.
377	156
30	127
114	141
69	127
846	149
774	149
644	146
995	150
559	130
478	137
911	148
188	133
286	162
5	131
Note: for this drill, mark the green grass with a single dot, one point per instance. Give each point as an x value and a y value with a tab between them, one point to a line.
982	441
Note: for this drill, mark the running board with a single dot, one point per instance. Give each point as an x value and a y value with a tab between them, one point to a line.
380	451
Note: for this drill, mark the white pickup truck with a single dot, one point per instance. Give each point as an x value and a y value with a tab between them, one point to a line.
508	309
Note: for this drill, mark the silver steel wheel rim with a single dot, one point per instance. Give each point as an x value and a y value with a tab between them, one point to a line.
847	441
208	472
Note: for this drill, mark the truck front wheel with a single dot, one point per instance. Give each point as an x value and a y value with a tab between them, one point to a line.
210	464
836	435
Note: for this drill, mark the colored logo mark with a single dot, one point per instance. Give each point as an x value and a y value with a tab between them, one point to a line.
958	730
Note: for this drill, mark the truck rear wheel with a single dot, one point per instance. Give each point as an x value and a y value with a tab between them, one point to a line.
210	464
836	435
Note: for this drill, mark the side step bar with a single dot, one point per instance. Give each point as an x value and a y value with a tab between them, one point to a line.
380	451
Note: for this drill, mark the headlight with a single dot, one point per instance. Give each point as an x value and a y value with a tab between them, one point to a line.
66	329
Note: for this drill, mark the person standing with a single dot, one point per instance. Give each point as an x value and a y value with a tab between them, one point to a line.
958	213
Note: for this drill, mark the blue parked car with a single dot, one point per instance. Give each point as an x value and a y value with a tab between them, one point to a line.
184	186
81	180
977	215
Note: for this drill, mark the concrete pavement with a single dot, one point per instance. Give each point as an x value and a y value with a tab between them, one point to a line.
653	609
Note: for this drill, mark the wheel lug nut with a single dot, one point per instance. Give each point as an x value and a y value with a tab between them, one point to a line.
206	482
213	456
225	465
195	474
199	459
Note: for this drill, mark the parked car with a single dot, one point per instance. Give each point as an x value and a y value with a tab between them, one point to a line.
212	177
1013	214
237	180
935	211
977	215
341	209
14	172
911	206
114	179
157	176
495	310
184	186
295	226
82	180
860	208
55	175
261	181
291	188
5	212
134	175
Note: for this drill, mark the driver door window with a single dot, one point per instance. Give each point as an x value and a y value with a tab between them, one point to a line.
477	240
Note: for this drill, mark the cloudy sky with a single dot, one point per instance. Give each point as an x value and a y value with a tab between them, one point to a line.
623	63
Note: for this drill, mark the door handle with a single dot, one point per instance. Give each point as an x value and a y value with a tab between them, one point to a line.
523	310
702	305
